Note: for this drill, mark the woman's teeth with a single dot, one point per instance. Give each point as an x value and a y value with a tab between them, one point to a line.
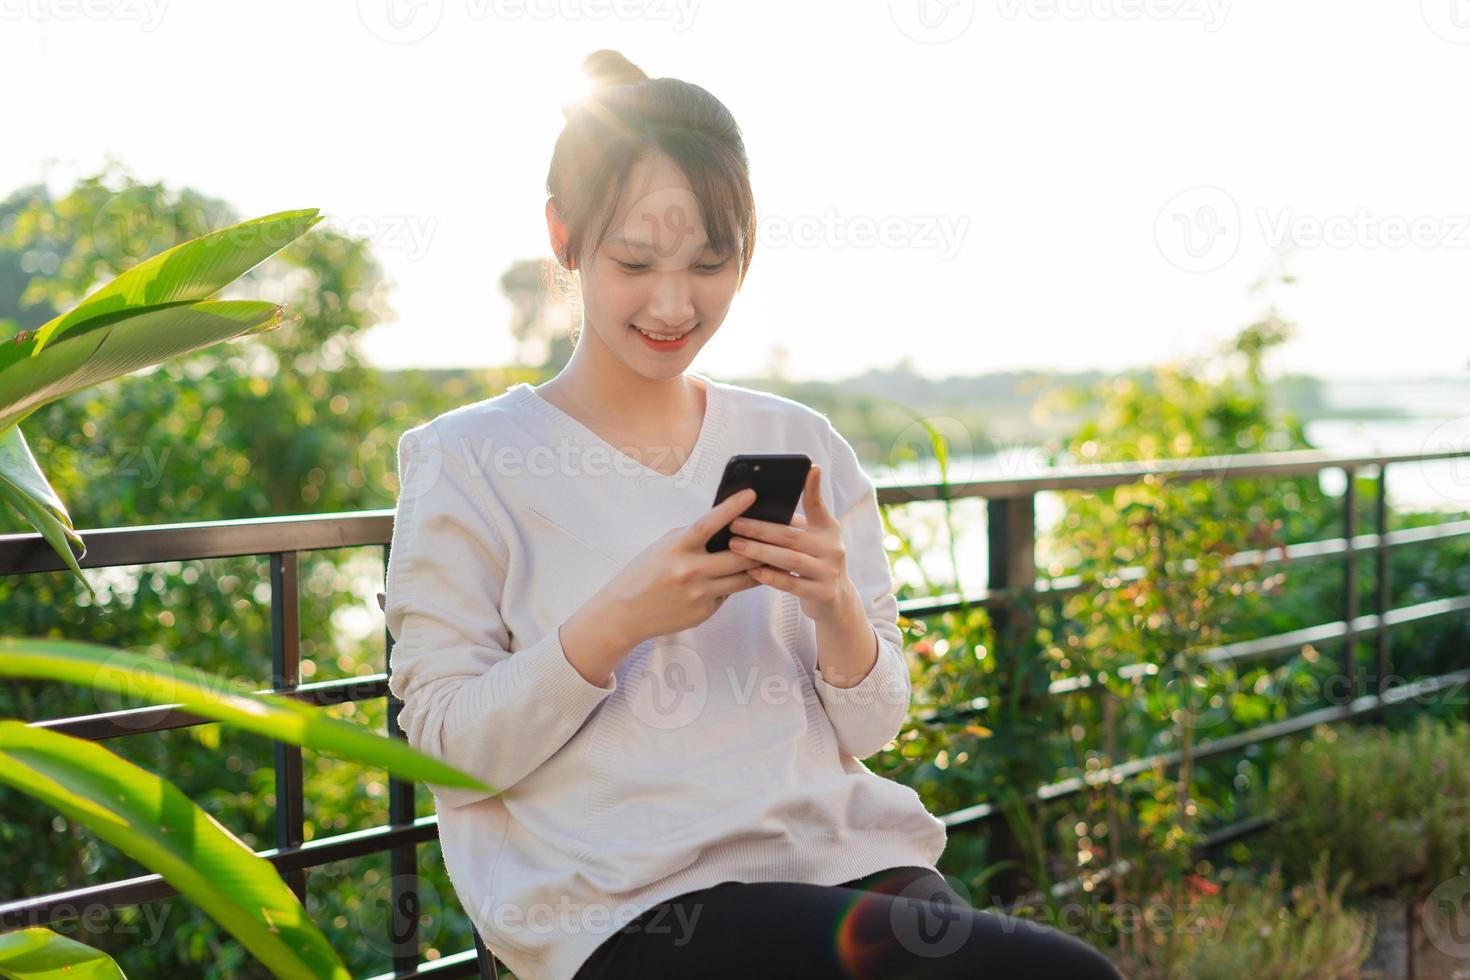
660	336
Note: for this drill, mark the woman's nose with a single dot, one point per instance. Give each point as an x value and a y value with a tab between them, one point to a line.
672	303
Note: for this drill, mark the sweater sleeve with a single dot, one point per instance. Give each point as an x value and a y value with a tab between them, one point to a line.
870	714
466	699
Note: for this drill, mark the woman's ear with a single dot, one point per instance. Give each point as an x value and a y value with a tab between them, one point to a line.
558	231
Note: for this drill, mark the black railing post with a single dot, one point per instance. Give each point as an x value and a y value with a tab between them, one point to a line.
404	859
1350	583
1010	528
1385	649
286	673
404	920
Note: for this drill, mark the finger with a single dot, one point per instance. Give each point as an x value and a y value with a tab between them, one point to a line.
798	520
729	563
811	496
778	579
782	534
739	582
792	561
721	514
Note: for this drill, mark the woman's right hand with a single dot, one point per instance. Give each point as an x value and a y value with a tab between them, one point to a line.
674	584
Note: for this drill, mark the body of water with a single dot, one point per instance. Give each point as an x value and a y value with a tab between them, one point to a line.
1429	486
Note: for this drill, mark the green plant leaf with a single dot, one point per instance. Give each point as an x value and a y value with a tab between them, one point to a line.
128	342
155	824
188	272
25	487
221	699
38	953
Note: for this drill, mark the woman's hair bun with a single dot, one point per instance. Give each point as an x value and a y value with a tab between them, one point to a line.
609	67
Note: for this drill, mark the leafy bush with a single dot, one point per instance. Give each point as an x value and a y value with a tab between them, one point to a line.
1250	929
1392	808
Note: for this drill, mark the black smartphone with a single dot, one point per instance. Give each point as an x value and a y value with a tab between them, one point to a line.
778	480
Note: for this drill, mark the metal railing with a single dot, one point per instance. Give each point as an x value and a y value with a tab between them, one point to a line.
1011	541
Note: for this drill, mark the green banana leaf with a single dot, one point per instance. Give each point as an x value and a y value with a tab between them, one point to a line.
283	718
40	954
155	824
25	487
190	271
128	341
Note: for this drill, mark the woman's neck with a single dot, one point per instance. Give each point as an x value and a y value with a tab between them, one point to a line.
618	399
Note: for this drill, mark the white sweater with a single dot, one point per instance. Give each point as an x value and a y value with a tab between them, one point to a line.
713	754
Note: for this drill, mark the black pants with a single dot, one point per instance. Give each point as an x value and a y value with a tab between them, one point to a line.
898	924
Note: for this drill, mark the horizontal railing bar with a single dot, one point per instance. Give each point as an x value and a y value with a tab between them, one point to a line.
1100	475
161	717
40	909
153	718
1366	704
1230	654
462	964
1306	551
109	547
119	546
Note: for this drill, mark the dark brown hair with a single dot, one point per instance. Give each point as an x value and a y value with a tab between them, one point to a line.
628	117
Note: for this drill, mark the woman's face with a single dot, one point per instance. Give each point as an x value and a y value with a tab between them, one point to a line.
654	271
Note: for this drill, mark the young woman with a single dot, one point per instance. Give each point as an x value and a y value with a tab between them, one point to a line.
671	737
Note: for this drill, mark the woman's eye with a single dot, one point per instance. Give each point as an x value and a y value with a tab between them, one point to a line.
631	266
714	267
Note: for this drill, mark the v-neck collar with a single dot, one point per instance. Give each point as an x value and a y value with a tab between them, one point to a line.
695	467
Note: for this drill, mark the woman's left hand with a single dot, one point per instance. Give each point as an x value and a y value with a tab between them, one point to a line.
810	547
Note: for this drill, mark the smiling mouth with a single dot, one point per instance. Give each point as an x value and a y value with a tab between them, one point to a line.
665	337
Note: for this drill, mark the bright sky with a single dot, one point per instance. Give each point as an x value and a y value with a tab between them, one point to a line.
972	184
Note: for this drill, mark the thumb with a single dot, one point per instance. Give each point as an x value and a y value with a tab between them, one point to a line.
811	498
